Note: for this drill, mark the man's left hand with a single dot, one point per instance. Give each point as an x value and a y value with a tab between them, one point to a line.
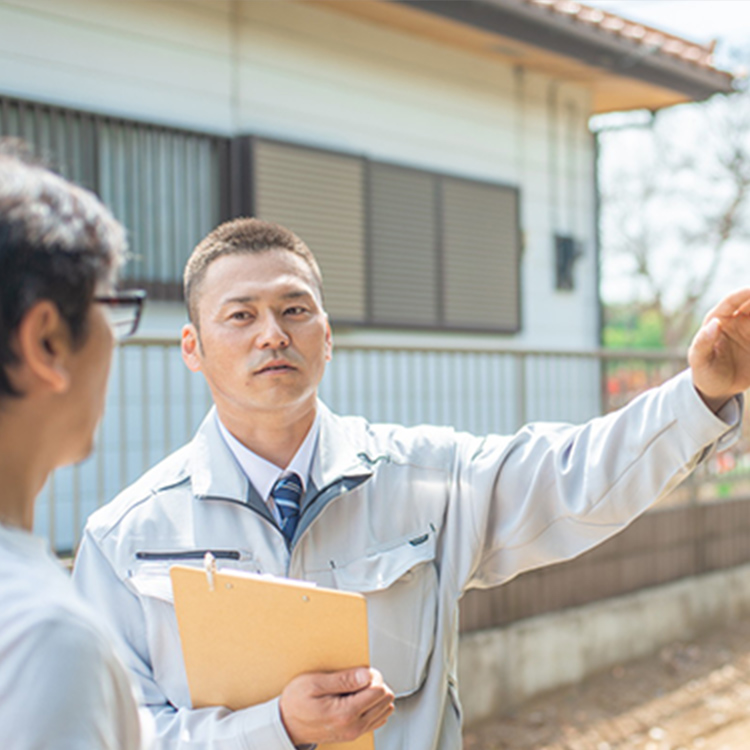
719	355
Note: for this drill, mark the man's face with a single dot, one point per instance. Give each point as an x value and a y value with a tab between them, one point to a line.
264	336
89	373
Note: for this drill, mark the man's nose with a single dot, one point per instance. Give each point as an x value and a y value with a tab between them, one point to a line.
272	334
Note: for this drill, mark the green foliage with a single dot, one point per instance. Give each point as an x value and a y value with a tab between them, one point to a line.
627	327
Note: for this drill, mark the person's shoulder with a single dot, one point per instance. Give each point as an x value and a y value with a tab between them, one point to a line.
431	444
170	473
63	680
45	612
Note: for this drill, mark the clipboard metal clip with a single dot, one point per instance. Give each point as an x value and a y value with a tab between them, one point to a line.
209	564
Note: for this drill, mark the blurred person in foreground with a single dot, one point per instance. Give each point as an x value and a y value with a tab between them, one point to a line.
274	482
61	685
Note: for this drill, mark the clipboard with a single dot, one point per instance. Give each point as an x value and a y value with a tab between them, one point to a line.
245	636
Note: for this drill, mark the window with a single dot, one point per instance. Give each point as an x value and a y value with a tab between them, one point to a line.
319	195
165	185
397	246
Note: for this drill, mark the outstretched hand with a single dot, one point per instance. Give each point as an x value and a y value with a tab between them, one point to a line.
719	355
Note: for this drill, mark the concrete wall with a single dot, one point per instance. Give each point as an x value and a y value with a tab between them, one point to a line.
291	71
501	668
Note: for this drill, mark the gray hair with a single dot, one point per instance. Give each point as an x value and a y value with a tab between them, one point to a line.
57	242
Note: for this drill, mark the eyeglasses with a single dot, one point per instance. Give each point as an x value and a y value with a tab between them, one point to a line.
123	311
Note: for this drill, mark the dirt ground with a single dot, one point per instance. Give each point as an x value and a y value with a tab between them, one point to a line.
689	695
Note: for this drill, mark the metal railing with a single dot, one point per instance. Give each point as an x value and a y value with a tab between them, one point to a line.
154	405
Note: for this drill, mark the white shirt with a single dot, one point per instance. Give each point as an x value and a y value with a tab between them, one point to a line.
61	685
263	474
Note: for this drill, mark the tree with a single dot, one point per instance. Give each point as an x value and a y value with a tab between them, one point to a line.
676	212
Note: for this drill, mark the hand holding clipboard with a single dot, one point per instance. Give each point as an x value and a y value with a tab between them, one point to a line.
264	632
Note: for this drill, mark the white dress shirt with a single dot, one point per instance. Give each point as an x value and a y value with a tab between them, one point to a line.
263	474
61	684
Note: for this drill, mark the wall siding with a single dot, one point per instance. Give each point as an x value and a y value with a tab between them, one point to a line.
292	71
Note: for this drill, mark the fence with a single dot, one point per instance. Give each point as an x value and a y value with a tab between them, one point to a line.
154	405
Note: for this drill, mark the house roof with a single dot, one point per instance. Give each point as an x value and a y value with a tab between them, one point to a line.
646	37
628	65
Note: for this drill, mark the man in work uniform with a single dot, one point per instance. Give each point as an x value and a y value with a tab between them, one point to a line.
274	482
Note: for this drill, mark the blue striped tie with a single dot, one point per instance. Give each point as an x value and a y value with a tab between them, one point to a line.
286	493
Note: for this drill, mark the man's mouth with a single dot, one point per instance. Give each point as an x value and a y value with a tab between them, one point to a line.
276	366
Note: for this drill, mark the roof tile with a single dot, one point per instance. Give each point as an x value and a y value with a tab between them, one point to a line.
655	39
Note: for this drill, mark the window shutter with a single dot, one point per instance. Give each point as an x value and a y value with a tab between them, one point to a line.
480	255
319	196
164	185
64	139
403	243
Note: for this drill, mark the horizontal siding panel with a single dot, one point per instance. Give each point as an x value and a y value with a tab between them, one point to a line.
97	50
320	196
480	246
403	246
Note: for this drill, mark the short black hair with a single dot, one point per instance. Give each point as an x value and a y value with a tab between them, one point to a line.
241	235
57	242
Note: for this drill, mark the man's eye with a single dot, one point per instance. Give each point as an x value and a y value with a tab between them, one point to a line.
240	315
295	311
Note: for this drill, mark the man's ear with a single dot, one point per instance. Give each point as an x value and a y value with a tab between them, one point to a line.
43	346
190	347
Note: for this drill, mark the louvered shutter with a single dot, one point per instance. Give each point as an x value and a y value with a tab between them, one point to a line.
480	255
63	139
165	186
403	243
319	196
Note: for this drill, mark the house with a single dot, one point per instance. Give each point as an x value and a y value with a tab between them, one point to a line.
435	155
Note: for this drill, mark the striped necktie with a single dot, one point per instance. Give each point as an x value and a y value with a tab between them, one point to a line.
286	493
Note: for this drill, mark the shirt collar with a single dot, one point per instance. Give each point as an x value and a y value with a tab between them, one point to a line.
263	474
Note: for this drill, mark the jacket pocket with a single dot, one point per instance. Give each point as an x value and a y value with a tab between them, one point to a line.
401	586
149	579
150	575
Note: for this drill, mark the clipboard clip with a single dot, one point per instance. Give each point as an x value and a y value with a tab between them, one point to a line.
209	565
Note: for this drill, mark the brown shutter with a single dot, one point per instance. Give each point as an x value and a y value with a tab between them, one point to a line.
403	244
480	255
319	196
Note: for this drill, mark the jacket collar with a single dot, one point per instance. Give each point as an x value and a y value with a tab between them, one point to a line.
337	456
215	472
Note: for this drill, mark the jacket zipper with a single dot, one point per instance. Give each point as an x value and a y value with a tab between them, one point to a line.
198	554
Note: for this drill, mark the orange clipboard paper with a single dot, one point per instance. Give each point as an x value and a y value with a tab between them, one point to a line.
245	636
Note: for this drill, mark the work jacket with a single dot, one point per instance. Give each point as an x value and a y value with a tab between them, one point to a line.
409	517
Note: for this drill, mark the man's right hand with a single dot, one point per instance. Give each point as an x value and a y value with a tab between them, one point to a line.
321	707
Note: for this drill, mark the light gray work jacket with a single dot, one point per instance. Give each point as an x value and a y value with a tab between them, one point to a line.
410	517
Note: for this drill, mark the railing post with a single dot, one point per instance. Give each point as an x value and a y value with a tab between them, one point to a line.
521	372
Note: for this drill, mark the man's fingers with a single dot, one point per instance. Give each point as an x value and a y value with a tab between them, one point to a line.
372	698
322	707
377	716
342	682
706	338
731	304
